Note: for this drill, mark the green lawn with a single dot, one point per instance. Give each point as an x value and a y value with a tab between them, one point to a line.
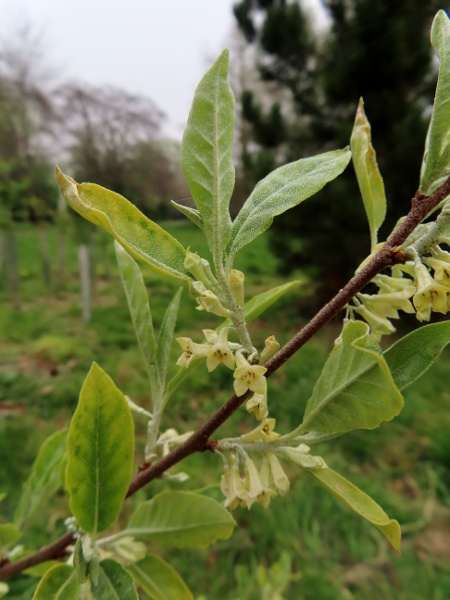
304	546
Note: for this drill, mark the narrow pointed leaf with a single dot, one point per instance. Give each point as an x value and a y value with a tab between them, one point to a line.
166	336
181	519
44	478
159	580
414	354
190	213
132	229
59	583
355	389
114	582
360	503
436	160
207	152
253	308
368	175
100	450
9	533
283	189
138	304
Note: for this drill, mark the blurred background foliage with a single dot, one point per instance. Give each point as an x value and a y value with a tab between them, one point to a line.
297	88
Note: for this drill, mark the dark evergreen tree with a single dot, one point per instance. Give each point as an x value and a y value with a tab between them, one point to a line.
376	49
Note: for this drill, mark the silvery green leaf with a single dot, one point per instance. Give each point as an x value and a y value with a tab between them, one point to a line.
281	190
207	152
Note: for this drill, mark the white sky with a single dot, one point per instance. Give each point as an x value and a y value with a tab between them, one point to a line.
159	48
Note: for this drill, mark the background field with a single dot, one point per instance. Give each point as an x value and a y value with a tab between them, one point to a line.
304	546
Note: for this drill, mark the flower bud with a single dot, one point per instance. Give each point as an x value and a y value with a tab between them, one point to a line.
200	269
271	346
236	281
210	302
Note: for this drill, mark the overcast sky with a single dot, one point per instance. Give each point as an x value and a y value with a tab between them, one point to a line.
159	48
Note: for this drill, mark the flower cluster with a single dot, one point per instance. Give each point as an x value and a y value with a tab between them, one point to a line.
243	483
420	292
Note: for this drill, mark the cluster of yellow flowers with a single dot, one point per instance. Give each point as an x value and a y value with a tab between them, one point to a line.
420	292
243	482
218	350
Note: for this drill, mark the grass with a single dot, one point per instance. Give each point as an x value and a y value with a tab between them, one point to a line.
304	546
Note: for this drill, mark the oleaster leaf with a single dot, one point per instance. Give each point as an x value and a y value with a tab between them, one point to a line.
359	502
44	478
166	336
159	580
59	583
282	189
207	153
141	316
191	213
181	519
368	175
114	582
100	449
414	354
355	389
436	160
132	229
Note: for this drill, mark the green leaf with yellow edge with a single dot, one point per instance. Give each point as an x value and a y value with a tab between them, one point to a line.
414	354
181	519
436	160
355	389
59	583
253	309
368	175
159	580
281	190
133	230
114	582
207	153
44	478
9	533
100	449
359	502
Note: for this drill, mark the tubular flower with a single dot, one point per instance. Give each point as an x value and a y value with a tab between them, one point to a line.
270	347
249	377
263	433
236	282
430	295
256	489
210	302
233	487
272	471
191	351
379	324
257	405
440	263
219	351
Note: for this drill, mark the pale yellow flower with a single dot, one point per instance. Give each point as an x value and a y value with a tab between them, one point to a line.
273	474
440	263
233	487
191	351
256	489
257	405
430	295
210	302
263	433
249	377
236	281
220	351
270	347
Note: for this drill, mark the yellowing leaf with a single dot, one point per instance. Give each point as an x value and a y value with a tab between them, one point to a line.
367	173
100	449
132	229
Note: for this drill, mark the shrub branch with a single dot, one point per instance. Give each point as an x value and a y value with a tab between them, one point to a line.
200	441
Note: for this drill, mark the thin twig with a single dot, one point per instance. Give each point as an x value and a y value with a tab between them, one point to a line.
199	441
